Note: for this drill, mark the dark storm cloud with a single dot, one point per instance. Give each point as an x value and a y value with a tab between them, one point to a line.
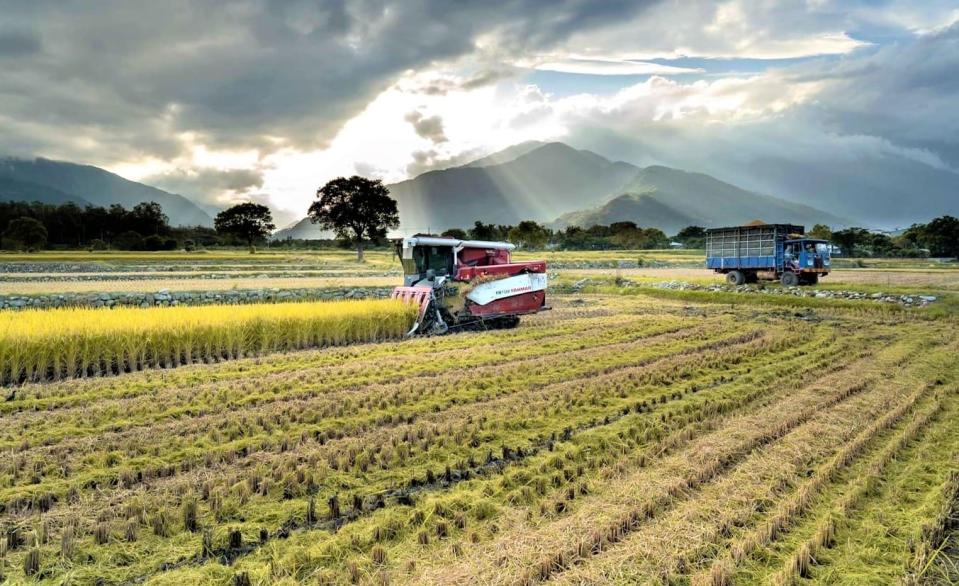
116	79
17	43
906	93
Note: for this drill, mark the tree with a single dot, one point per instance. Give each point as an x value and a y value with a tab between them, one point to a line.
628	237
692	237
821	231
129	240
489	232
248	221
940	236
148	218
849	239
456	233
26	232
529	234
355	209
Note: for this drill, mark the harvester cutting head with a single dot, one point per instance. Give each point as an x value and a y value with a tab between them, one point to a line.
468	284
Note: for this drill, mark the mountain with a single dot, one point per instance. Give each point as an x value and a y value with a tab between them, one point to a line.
877	187
302	230
529	181
506	155
87	184
14	190
553	182
889	191
540	184
671	199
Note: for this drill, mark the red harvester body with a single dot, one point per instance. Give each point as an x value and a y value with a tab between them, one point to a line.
468	283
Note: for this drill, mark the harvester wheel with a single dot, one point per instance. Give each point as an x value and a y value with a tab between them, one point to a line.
735	278
508	322
789	279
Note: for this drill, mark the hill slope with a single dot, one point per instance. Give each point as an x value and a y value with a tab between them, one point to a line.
671	199
538	185
14	190
99	187
528	181
544	182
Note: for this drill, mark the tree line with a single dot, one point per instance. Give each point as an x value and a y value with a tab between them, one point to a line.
34	226
360	212
618	235
938	238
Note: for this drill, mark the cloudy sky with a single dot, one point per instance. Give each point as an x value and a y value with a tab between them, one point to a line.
223	101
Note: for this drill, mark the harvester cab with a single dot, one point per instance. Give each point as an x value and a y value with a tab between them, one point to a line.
467	284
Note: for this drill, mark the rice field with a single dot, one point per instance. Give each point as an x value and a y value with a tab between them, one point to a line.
38	345
616	439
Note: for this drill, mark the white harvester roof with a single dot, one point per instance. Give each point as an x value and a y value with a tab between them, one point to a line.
455	243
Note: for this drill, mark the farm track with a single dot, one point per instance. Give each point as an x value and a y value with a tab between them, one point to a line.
573	449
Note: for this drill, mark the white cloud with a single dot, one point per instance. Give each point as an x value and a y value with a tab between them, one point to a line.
606	66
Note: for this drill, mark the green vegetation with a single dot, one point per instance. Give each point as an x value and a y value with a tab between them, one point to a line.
616	438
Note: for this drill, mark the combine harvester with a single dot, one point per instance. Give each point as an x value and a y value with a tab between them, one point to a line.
467	284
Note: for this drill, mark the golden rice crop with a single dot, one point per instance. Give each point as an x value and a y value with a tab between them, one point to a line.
62	343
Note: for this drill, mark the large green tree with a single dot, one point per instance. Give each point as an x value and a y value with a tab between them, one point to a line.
529	234
940	236
692	237
820	231
248	221
26	233
356	209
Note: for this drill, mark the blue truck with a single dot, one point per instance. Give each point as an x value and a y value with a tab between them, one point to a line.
746	254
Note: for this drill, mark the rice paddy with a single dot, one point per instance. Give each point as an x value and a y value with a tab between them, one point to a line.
619	438
45	344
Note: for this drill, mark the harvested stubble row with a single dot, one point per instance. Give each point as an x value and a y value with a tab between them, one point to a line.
38	345
591	434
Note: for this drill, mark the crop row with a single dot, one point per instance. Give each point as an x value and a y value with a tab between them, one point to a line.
439	465
66	343
688	463
604	443
296	446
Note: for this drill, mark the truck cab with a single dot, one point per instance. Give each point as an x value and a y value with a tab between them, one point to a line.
808	258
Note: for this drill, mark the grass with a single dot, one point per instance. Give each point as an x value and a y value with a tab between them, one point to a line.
66	343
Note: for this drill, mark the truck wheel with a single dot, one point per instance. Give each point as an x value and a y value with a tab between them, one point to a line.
735	278
752	278
789	279
812	278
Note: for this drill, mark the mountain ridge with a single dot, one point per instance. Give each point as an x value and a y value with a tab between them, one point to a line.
559	185
95	186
